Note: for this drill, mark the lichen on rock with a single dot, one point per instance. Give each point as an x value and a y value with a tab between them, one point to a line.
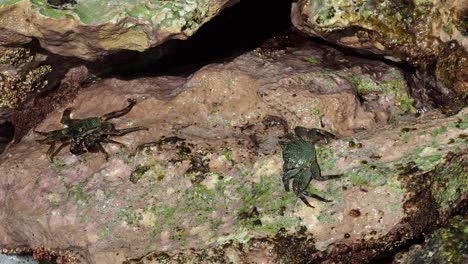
20	76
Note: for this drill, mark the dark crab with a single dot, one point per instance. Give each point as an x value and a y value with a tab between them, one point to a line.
300	161
86	135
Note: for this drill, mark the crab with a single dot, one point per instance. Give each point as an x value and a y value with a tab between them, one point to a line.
300	161
86	135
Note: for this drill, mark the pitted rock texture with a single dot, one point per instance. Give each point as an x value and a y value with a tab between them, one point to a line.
91	29
217	195
21	74
428	34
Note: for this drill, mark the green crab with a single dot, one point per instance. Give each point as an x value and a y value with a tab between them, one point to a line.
300	161
86	135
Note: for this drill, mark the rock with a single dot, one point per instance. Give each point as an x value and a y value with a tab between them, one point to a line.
430	35
21	74
217	195
90	30
447	244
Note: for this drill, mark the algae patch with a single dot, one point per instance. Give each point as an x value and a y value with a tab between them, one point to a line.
452	182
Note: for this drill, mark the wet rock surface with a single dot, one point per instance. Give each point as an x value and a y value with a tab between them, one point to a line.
210	188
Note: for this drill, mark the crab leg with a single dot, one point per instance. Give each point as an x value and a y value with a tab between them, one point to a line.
51	158
50	152
323	133
316	134
107	140
122	132
328	177
119	113
315	169
288	175
302	197
147	145
313	195
101	149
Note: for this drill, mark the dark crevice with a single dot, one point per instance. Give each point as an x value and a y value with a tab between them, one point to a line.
7	132
388	257
236	30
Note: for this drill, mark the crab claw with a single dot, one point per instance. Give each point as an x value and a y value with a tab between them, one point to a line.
131	101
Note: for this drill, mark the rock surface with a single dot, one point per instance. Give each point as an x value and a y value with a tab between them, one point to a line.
21	74
431	35
217	196
91	29
446	245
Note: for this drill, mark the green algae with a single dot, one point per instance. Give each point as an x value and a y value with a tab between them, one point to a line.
405	137
227	153
52	13
325	13
335	191
79	194
210	203
9	2
185	15
325	77
327	158
328	218
128	215
241	236
311	60
425	157
392	83
369	174
147	168
438	131
58	165
452	182
460	124
139	171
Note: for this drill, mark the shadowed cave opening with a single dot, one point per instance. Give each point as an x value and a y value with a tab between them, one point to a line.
236	30
7	132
